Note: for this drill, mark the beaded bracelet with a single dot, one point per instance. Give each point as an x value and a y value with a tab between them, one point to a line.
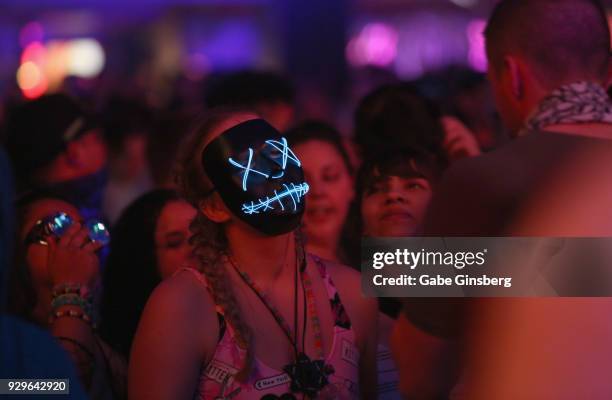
71	288
73	314
72	299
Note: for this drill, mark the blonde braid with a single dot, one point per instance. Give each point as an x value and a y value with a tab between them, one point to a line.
209	240
210	246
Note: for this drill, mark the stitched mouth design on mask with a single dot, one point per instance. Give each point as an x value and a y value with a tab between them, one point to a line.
282	154
295	192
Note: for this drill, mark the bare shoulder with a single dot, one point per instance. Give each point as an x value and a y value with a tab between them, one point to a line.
183	302
184	291
177	332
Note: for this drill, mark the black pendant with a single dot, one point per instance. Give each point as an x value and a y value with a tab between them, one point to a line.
308	376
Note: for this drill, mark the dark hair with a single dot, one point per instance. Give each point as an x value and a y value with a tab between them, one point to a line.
131	272
395	116
564	39
322	131
248	89
403	162
6	225
123	117
209	239
164	144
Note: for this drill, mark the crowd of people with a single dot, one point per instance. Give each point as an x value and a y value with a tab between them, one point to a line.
213	251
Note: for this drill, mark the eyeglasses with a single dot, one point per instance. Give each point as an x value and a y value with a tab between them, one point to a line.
57	224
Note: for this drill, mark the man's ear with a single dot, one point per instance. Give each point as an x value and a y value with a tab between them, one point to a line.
515	75
214	209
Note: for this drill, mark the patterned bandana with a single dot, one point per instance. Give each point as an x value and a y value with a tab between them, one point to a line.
580	102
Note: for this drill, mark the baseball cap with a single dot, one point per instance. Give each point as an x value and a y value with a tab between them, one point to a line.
38	131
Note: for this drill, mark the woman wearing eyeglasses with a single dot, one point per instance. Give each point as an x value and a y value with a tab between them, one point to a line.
263	320
52	283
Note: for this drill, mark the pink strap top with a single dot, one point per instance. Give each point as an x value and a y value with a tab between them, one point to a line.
217	378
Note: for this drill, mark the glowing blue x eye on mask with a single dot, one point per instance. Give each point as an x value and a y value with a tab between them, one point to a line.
258	177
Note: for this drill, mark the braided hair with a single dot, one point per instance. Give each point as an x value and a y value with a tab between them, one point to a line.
209	239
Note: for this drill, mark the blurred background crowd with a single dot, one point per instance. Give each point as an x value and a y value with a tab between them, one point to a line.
376	98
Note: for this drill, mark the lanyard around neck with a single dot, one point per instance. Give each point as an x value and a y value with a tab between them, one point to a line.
309	307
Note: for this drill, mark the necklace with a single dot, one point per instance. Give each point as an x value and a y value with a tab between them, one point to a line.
307	376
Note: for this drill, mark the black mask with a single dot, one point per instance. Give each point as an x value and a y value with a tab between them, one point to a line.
258	177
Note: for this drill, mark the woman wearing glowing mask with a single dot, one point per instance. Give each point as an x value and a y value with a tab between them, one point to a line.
262	320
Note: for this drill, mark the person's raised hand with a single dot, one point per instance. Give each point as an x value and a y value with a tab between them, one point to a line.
72	257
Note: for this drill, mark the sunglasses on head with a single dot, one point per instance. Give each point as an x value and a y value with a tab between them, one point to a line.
57	224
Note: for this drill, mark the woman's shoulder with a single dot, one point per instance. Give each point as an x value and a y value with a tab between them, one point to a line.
184	293
186	283
183	303
188	274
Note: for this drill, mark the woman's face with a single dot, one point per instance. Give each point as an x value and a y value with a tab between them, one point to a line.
331	190
394	206
36	253
172	234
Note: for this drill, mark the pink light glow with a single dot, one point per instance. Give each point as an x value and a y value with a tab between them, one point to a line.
376	44
31	80
35	52
30	75
31	32
477	56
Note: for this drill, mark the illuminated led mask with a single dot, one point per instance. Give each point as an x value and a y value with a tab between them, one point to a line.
258	177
